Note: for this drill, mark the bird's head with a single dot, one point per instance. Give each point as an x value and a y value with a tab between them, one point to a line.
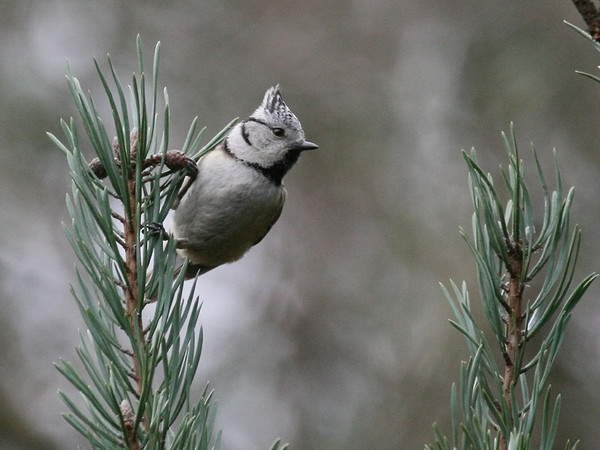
271	137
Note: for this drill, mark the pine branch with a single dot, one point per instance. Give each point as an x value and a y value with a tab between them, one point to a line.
591	17
138	366
496	407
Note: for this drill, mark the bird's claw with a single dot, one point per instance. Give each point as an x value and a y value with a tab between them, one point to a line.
157	229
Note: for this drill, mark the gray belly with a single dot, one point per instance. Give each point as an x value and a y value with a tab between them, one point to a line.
218	226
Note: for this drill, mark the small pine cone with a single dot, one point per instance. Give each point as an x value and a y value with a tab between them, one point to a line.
115	147
98	168
176	160
127	413
133	144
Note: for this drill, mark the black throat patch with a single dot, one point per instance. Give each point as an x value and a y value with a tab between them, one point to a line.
273	173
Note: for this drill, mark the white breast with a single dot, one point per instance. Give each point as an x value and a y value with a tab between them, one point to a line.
228	209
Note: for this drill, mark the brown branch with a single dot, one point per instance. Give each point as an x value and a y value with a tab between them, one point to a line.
174	160
132	302
120	240
514	331
131	293
119	217
590	15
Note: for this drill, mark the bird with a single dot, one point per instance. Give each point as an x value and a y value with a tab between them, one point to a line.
237	193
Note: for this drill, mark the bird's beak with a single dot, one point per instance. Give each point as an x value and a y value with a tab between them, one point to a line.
306	145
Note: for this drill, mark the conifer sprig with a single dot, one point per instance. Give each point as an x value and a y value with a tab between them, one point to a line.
503	388
137	361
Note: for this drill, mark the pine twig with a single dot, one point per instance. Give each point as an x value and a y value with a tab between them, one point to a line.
138	370
591	17
495	405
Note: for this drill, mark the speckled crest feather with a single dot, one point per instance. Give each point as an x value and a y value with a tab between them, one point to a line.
274	104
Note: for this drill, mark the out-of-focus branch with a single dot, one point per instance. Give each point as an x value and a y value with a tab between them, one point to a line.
590	15
497	406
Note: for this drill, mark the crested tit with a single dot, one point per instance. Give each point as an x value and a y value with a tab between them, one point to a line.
238	193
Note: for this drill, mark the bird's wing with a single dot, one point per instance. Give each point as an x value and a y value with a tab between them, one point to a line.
275	217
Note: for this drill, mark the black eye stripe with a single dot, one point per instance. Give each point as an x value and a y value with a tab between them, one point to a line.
252	119
277	131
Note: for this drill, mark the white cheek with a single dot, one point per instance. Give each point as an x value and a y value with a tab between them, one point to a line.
235	140
262	142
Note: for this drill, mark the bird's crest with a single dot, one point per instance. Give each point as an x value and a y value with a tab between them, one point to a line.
273	104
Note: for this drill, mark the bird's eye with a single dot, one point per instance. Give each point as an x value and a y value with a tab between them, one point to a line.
279	132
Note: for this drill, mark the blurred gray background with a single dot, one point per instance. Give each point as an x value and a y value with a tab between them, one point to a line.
333	333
